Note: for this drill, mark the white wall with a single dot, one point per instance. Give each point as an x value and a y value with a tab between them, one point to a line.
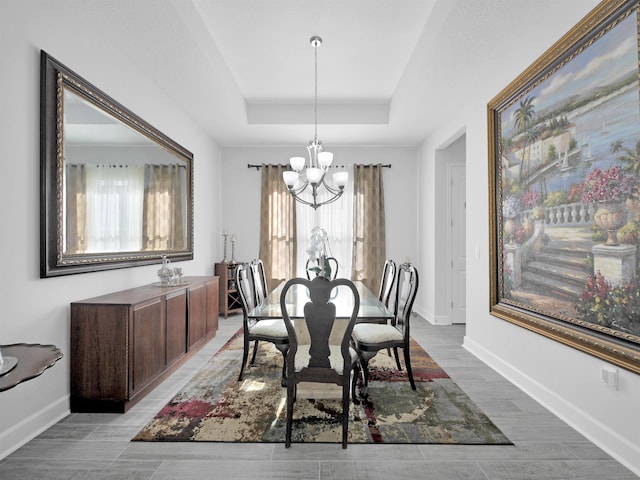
562	378
97	40
241	191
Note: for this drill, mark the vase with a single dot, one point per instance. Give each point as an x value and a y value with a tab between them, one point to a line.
165	273
610	217
510	227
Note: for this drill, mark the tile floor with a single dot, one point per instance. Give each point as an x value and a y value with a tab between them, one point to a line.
97	446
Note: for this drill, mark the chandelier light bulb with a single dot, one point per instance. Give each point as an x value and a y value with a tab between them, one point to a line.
297	163
325	159
314	175
340	179
290	179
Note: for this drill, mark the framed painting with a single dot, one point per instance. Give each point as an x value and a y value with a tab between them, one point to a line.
564	182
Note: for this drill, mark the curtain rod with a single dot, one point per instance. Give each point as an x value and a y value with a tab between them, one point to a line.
258	167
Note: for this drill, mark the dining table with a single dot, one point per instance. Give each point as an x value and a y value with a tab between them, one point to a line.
371	308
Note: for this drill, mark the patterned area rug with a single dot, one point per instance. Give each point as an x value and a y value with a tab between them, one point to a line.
215	407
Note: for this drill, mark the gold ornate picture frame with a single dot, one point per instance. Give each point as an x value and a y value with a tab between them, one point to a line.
564	186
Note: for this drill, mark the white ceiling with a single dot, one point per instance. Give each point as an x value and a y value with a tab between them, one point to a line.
260	60
365	50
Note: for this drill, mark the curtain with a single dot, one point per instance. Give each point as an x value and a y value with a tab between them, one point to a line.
75	203
369	246
337	220
114	208
277	227
164	211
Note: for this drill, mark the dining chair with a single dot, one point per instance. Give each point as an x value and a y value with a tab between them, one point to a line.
387	281
259	280
386	288
267	330
370	338
319	343
314	263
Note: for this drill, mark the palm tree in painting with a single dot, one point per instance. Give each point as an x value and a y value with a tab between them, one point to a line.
631	160
523	116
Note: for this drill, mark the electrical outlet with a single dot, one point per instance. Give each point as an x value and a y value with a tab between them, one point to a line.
609	377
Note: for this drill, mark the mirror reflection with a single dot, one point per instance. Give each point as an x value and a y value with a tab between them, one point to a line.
115	191
123	192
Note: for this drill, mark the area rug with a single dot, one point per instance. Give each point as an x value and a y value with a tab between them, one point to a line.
215	407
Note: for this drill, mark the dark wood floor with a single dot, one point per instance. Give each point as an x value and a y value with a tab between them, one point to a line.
98	446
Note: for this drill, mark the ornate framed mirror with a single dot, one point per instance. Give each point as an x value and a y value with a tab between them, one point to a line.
114	191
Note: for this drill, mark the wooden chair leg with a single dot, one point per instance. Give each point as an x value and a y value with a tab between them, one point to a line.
407	362
290	400
245	354
354	381
345	410
255	352
283	382
395	352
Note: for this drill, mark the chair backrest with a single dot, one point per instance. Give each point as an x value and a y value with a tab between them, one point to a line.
319	342
387	281
244	284
259	280
314	263
406	290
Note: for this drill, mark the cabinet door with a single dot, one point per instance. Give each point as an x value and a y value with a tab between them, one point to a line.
176	326
197	313
147	345
213	289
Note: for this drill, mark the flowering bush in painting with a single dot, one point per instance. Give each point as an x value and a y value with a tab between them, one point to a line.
611	185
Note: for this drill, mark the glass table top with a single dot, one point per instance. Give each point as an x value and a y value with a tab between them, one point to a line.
298	296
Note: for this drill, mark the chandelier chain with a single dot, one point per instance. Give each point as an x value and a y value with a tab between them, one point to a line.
315	109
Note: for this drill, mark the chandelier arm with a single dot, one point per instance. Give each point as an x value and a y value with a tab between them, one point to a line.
331	189
295	192
303	201
332	199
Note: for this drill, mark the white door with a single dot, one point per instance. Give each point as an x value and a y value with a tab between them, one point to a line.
457	241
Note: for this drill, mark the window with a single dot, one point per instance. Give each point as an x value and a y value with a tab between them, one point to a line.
337	219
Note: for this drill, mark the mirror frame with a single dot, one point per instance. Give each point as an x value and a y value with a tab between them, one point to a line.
54	77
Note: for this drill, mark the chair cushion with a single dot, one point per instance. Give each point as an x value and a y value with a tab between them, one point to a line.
335	357
269	328
372	333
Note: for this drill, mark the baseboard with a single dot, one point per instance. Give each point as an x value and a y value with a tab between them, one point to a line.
612	443
21	433
431	318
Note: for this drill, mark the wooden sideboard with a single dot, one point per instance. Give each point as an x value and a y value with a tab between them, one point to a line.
125	343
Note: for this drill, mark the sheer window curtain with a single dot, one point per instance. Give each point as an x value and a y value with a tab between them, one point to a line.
369	244
337	219
113	208
278	250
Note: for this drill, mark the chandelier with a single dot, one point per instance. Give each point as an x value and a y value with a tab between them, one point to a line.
314	175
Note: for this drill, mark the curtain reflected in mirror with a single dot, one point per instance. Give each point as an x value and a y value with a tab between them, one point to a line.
121	208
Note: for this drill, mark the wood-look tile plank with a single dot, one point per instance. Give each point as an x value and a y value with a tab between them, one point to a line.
97	446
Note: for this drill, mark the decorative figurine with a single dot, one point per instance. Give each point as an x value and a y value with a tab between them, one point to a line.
225	234
233	248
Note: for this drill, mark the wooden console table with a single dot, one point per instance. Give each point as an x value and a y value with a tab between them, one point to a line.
33	360
125	343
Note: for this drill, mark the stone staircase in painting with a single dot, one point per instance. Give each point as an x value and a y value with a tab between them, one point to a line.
558	269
